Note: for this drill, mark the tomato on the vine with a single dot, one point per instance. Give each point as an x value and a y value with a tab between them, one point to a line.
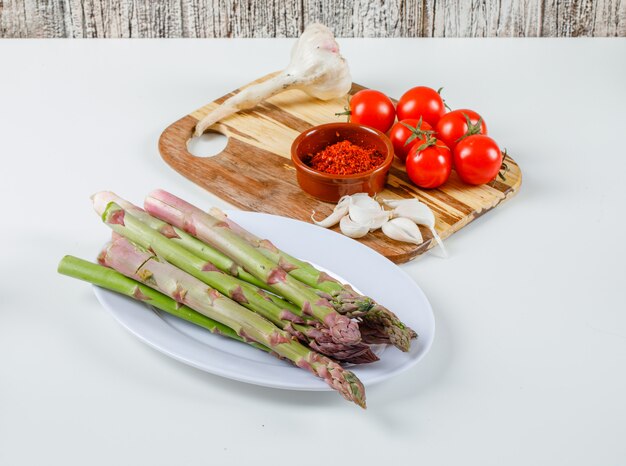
421	102
458	124
372	108
407	133
429	165
477	159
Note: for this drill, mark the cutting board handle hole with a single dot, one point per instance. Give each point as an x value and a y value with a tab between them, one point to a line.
210	144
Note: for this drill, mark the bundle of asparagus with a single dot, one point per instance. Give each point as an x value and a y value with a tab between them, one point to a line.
206	269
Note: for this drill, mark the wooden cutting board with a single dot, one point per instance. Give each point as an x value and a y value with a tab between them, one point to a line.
254	172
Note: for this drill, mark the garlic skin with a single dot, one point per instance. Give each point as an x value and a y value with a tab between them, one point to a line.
316	68
352	229
340	210
403	229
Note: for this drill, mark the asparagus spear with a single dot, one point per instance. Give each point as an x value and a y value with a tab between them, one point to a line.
381	325
111	280
280	312
200	249
319	341
297	268
139	264
216	233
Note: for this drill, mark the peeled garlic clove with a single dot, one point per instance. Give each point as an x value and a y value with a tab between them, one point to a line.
403	229
340	210
352	229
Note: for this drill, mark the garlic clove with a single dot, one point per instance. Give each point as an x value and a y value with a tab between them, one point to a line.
365	200
340	210
417	211
352	229
372	219
403	229
420	213
365	210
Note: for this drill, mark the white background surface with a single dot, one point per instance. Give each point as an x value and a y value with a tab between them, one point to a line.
529	361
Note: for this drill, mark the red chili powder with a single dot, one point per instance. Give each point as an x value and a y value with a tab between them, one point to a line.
345	158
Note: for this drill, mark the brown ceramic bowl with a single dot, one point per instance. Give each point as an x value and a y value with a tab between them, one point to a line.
330	188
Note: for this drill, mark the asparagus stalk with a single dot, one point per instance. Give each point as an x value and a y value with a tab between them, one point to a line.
225	264
297	268
216	233
141	265
381	325
200	249
279	312
105	277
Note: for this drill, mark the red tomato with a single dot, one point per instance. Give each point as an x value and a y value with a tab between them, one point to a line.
477	159
458	123
430	164
408	133
372	108
421	102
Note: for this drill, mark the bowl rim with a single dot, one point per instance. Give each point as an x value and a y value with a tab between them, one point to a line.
300	165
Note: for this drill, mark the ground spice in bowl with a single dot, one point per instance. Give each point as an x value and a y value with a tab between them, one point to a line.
345	158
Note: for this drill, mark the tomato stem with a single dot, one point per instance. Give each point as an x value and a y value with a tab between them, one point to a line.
504	168
445	104
416	132
472	128
346	112
431	141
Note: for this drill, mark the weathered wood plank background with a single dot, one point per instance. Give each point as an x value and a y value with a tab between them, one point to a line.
276	18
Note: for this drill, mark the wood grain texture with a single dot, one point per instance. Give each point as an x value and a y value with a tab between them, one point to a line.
254	172
347	18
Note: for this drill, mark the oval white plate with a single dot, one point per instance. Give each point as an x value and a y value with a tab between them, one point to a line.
349	260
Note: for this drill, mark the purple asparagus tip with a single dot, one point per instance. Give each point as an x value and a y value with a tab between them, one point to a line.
343	329
345	382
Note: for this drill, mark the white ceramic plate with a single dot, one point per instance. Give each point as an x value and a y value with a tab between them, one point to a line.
349	260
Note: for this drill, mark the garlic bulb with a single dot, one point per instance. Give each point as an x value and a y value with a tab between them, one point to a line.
352	229
316	68
403	229
340	210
